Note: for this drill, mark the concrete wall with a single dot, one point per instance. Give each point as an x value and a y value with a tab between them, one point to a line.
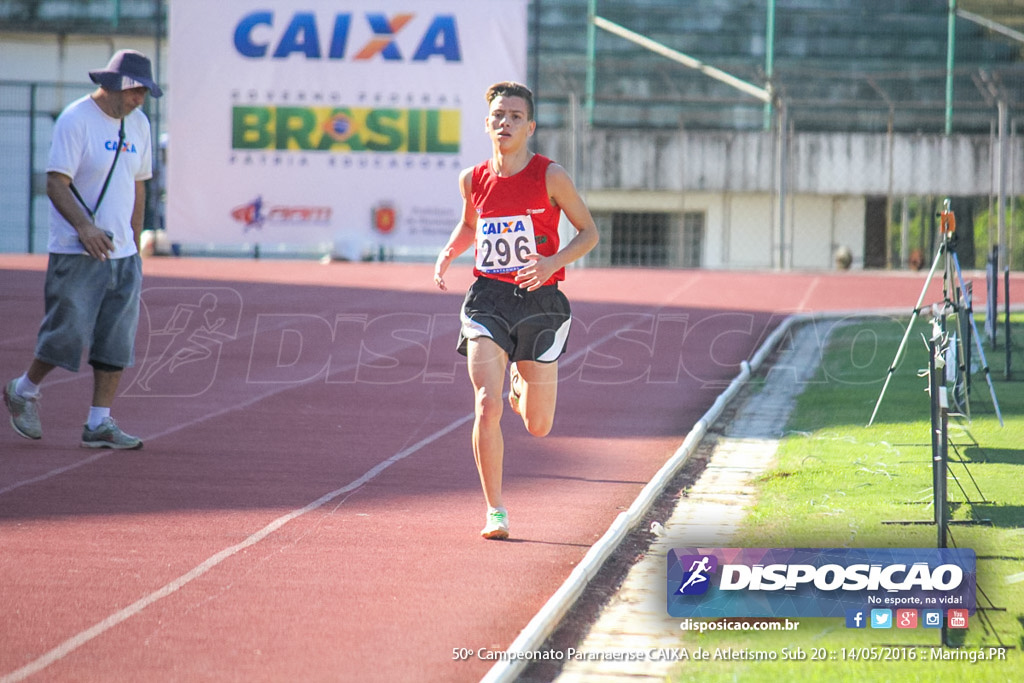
730	177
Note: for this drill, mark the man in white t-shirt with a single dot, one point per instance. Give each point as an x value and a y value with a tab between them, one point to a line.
100	158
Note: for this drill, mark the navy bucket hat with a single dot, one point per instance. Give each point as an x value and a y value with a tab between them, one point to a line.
127	69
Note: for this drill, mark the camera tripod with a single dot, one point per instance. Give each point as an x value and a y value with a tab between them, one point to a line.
956	298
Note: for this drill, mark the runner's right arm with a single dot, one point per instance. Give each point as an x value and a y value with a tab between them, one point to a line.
464	234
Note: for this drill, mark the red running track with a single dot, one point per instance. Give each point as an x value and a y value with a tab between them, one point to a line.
306	505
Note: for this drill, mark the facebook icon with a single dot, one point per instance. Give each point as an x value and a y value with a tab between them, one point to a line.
855	618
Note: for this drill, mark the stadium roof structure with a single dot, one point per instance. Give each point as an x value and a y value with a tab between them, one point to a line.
870	65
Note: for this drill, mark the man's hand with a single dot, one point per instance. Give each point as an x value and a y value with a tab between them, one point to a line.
98	243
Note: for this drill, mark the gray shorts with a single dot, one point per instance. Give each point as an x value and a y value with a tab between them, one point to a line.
527	325
90	304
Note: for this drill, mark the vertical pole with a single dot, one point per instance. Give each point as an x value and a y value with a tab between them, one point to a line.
943	454
591	58
31	166
154	196
940	496
934	384
769	59
1006	327
781	172
905	233
1003	154
891	144
950	62
534	78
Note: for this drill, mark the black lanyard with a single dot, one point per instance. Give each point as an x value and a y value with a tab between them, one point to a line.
74	190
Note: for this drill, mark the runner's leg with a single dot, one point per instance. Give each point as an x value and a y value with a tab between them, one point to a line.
538	388
487	363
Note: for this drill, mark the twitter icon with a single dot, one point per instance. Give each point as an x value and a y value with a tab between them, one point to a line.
881	618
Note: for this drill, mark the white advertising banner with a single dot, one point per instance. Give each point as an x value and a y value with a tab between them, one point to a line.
336	123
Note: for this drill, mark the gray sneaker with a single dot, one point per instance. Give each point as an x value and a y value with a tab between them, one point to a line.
109	435
24	412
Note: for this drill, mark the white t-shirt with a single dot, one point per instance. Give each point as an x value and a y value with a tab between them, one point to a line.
84	142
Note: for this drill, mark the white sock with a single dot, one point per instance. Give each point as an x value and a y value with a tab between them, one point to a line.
25	388
96	416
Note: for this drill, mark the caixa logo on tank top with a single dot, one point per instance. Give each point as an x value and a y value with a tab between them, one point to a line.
503	243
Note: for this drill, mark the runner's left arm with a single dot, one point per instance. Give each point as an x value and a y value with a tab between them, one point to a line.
564	195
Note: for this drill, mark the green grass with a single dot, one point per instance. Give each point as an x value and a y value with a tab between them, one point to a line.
838	483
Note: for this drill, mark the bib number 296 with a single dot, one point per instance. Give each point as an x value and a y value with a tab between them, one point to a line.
502	244
501	253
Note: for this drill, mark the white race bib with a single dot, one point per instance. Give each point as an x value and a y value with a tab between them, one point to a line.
502	244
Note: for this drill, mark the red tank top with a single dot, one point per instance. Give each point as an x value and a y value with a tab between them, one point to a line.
515	218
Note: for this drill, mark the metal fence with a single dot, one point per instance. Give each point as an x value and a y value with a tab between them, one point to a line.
27	115
28	111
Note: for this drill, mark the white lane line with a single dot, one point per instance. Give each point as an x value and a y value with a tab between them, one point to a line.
98	629
176	428
76	641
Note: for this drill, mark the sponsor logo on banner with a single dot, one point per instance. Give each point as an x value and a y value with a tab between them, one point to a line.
817	582
254	215
384	218
345	129
326	105
398	38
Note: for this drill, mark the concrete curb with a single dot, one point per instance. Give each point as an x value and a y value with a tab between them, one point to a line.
544	623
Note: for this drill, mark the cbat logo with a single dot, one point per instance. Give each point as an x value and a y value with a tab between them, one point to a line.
697	577
302	34
253	216
384	218
501	227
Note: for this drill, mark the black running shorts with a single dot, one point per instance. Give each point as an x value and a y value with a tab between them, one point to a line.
527	325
